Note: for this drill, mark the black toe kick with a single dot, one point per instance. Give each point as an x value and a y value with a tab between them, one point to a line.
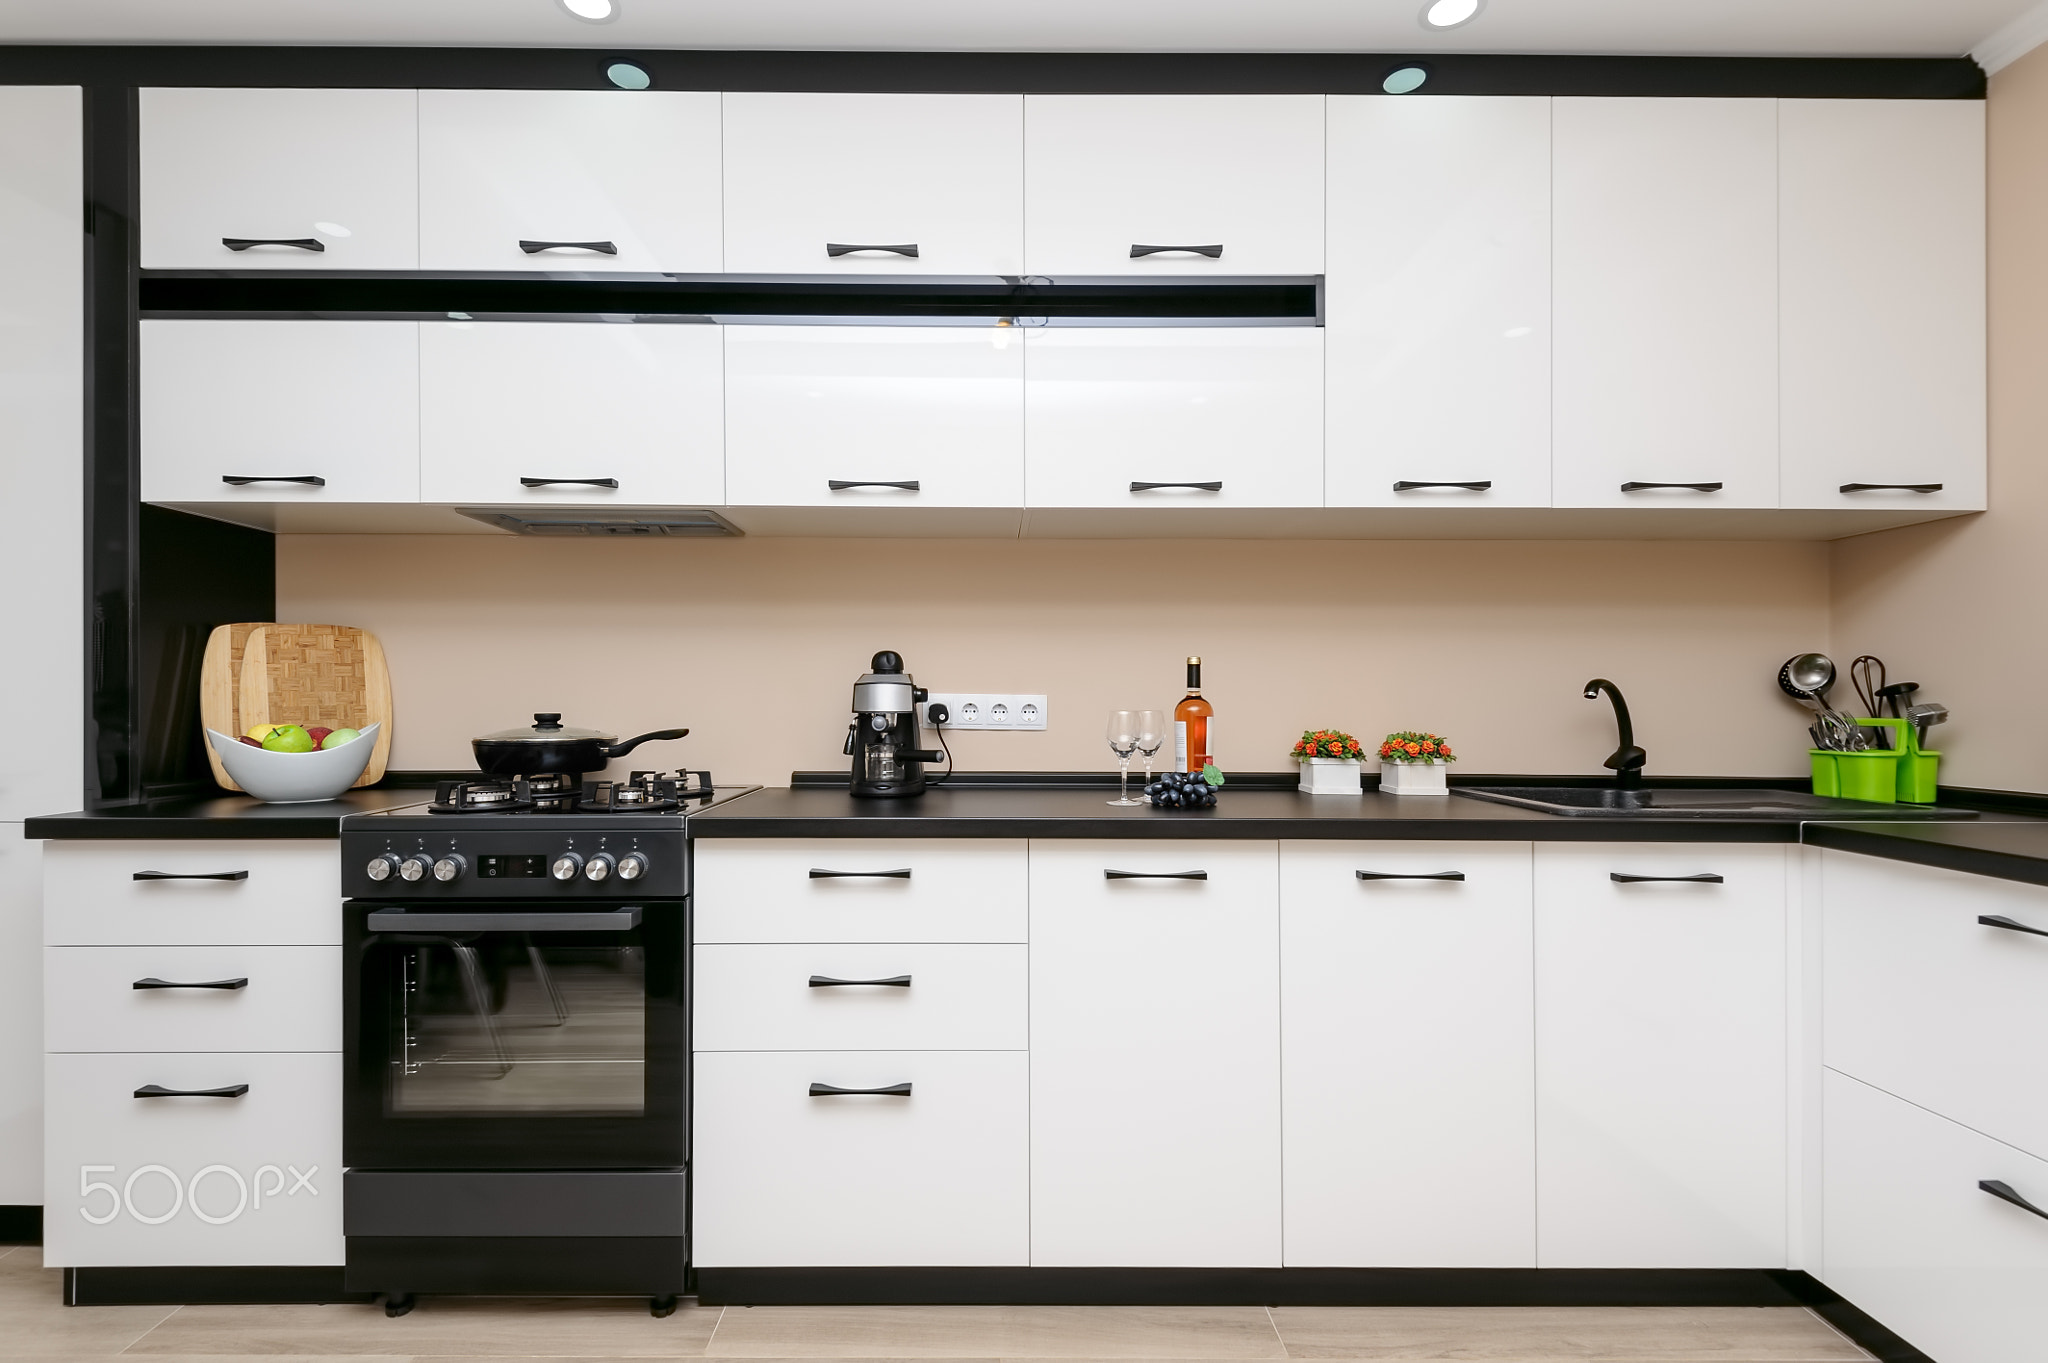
264	1285
536	1265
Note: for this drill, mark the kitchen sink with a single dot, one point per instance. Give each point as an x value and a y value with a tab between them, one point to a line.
1704	803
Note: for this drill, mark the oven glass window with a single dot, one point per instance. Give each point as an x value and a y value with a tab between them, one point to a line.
548	1024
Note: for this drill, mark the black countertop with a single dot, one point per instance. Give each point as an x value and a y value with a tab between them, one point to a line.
2005	846
223	816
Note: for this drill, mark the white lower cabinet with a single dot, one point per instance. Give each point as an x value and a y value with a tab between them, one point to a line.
1408	1063
787	1175
860	996
1155	1054
1661	1056
284	892
21	1019
1914	1238
193	998
139	1181
860	890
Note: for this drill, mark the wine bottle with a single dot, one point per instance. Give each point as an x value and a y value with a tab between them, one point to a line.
1194	725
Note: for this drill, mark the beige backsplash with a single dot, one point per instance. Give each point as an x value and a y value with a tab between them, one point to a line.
754	643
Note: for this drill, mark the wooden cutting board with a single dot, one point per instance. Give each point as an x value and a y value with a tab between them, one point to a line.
274	673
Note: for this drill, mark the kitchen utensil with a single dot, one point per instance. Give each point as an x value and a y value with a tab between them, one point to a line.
883	740
1123	741
1897	697
1924	717
1806	679
258	672
1867	674
293	778
551	746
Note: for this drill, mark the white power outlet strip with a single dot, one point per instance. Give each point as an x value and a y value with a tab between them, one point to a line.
985	711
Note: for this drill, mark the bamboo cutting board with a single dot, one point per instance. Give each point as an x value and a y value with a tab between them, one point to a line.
273	673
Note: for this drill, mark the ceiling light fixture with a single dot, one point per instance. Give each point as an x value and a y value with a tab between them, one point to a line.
1404	80
590	11
627	76
1450	13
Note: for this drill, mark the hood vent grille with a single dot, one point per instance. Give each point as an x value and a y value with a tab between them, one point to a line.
671	524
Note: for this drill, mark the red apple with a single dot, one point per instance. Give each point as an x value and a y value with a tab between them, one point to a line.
317	732
250	741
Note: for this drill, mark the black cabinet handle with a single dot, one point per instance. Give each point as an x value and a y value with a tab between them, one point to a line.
244	479
1890	487
1999	920
191	875
827	982
1703	878
1689	487
1482	486
159	1091
817	874
836	249
2004	1193
1396	875
841	484
313	244
603	248
1155	875
834	1091
152	982
569	482
1215	486
1213	252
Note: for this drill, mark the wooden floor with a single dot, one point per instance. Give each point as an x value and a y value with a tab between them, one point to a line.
34	1324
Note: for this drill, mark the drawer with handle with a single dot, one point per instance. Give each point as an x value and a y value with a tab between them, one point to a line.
192	1160
278	893
192	998
860	890
861	997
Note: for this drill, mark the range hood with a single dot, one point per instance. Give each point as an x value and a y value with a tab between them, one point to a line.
673	523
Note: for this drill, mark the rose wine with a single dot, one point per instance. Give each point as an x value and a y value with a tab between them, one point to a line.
1194	725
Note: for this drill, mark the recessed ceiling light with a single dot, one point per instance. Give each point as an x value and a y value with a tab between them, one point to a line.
1404	80
1450	13
591	11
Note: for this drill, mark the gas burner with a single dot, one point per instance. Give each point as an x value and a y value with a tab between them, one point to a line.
643	792
481	797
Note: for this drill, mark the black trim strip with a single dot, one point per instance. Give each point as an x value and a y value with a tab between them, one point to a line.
254	1286
21	1224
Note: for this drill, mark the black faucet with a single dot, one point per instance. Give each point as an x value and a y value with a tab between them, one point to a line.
1627	761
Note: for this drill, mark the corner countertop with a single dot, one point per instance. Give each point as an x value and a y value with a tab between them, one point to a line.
222	816
2003	846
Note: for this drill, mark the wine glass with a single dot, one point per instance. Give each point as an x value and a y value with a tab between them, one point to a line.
1152	733
1123	741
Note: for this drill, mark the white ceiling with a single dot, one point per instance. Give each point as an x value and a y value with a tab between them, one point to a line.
1718	27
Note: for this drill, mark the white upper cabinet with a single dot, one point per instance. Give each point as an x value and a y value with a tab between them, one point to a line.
297	179
1173	184
862	183
874	416
1438	302
1174	417
1665	298
571	413
569	180
283	411
1882	327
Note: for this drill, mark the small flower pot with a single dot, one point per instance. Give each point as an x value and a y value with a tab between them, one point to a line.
1414	778
1331	776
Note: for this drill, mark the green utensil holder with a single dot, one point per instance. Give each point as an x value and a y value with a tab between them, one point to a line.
1874	776
1919	769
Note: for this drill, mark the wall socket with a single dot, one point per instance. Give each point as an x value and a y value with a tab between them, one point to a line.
970	710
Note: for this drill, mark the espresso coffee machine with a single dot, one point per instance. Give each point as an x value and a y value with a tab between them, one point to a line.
883	740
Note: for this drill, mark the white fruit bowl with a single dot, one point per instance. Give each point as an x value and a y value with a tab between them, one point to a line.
294	778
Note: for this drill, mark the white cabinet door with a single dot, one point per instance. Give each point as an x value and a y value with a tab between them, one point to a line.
785	1176
1408	1059
1665	278
571	407
1660	1056
252	411
193	1181
1155	1054
21	1019
859	996
1882	302
1237	407
335	171
1107	176
1914	1240
859	890
287	998
284	892
514	179
1438	301
807	175
832	416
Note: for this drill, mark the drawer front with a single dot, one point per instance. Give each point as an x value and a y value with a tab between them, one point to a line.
768	890
938	1176
243	1180
288	893
290	999
1924	1001
784	998
1911	1238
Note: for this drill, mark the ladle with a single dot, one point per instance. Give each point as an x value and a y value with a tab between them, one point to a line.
1806	679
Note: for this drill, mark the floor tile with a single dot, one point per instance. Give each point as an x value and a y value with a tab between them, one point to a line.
1633	1334
468	1328
35	1323
950	1332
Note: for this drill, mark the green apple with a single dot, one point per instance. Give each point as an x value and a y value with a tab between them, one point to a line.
288	738
339	737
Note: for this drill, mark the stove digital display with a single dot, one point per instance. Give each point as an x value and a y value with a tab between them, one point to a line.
511	868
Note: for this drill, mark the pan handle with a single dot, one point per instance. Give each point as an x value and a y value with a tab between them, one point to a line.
621	749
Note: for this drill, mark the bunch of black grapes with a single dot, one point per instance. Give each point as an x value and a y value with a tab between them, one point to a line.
1182	790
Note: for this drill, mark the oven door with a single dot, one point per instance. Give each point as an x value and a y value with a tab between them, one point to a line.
516	1036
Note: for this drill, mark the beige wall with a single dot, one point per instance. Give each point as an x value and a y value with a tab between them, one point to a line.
754	643
1957	605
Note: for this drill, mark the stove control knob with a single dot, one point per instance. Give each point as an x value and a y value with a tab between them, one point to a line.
632	866
450	868
567	866
599	868
380	868
415	867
